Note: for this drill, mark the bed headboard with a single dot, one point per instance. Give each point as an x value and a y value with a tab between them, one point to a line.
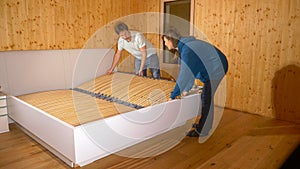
23	72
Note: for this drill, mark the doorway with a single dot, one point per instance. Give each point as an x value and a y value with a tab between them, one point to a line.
178	14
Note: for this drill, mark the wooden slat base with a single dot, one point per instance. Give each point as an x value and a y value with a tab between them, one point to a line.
78	108
74	107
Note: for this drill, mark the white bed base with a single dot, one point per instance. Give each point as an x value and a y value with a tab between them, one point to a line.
86	143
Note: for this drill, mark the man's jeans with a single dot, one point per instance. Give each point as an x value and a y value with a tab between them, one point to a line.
152	63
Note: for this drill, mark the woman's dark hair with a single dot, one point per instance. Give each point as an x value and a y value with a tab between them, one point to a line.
121	26
173	35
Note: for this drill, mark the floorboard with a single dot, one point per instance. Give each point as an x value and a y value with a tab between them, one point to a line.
241	140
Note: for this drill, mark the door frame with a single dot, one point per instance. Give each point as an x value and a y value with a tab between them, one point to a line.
172	69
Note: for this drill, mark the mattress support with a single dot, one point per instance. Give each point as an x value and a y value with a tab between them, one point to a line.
108	98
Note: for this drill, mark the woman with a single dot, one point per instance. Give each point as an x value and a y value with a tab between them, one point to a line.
199	60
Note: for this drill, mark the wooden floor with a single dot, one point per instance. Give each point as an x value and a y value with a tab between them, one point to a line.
240	141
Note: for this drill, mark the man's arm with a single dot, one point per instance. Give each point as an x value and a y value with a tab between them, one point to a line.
115	61
143	60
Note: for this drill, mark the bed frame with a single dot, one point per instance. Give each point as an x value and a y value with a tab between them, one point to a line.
91	141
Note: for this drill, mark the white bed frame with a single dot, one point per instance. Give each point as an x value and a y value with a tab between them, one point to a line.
85	143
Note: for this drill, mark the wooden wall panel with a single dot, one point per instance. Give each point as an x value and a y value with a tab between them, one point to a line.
70	24
260	39
62	24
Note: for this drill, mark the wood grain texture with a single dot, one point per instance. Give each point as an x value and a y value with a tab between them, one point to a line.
133	89
260	39
76	108
262	143
73	107
52	24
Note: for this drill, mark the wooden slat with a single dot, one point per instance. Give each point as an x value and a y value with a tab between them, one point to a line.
78	108
74	107
130	88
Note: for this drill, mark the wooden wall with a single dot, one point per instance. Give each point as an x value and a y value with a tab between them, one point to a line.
259	37
261	40
62	24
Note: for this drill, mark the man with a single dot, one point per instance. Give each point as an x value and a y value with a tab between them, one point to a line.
203	61
143	51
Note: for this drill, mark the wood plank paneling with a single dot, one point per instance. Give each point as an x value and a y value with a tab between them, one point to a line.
68	24
260	39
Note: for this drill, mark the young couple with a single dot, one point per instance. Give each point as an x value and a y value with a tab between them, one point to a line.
201	60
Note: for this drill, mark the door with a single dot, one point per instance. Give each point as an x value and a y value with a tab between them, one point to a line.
178	14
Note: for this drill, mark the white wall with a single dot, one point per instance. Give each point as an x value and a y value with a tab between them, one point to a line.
23	72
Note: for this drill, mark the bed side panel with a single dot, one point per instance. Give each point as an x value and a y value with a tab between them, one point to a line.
103	137
50	130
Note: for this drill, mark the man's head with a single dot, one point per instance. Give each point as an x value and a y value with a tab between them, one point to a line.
122	30
171	38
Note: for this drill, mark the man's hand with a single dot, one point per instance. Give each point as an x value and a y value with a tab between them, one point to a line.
109	72
141	73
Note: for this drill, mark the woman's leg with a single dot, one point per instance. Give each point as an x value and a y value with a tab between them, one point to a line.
207	110
208	93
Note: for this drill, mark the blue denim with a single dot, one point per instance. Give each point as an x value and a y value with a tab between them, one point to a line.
207	112
152	63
